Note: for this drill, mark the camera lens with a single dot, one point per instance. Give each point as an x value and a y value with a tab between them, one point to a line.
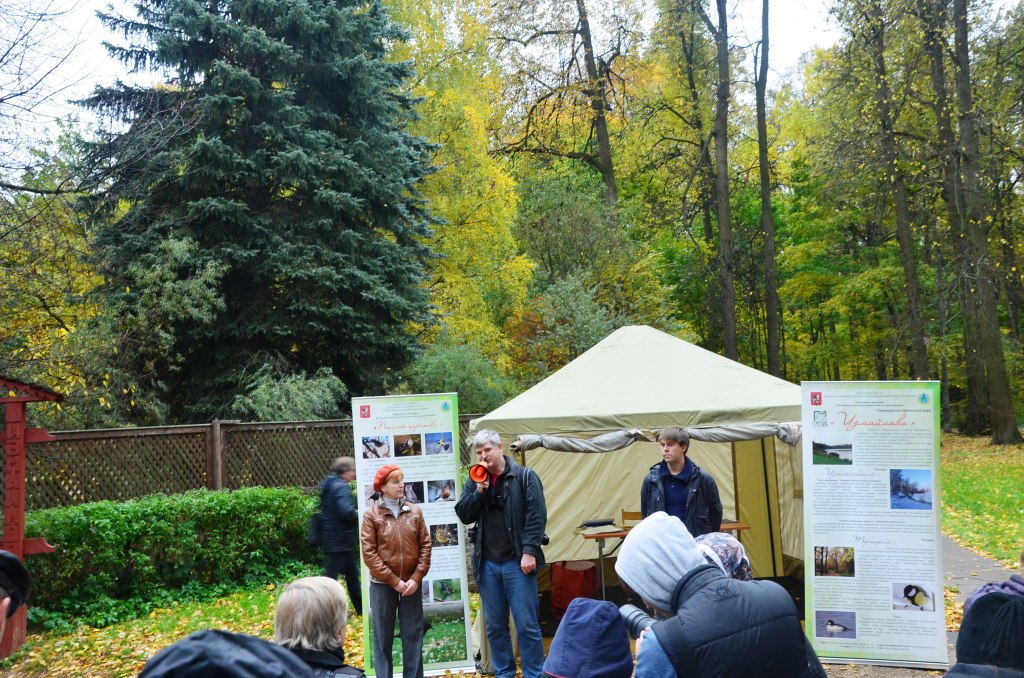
635	619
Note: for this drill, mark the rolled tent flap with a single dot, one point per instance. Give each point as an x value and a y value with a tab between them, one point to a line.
606	442
617	440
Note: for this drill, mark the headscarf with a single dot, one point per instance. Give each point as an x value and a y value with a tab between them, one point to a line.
725	551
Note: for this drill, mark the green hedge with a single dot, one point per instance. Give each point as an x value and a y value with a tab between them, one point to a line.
115	560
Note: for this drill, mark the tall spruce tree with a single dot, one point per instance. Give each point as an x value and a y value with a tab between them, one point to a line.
276	150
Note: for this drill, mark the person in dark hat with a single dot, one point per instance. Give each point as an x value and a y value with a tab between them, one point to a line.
220	654
590	642
14	586
991	639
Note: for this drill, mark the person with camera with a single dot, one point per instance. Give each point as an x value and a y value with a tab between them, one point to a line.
340	523
710	624
680	488
510	513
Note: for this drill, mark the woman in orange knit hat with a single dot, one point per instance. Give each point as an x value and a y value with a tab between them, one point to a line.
396	550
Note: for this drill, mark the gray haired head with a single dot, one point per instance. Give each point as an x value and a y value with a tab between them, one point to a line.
486	436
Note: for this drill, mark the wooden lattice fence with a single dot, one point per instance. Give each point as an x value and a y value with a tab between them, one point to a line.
85	466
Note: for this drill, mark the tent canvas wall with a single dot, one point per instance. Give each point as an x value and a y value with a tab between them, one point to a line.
639	377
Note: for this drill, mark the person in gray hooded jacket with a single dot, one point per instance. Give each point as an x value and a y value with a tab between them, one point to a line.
711	625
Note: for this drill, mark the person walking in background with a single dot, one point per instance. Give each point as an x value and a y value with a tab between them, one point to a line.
310	620
396	549
339	525
509	511
680	488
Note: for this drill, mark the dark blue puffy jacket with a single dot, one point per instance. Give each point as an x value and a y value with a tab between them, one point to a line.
340	519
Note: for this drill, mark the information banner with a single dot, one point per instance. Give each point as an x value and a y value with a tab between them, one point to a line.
872	547
420	433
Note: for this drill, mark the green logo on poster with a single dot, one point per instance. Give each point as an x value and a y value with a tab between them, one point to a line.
445	406
923	399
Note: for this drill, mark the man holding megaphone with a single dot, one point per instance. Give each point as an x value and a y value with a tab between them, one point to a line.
506	501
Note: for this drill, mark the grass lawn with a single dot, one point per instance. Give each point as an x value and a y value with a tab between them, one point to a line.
983	509
983	497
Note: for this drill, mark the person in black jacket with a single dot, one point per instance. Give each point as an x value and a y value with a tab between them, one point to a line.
680	488
711	625
221	654
510	515
340	528
310	620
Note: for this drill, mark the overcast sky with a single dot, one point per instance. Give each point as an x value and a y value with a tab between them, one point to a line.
797	26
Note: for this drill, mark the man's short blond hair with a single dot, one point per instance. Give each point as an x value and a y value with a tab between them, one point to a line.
311	613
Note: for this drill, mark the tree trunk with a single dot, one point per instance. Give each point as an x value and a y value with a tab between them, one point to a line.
979	264
904	233
712	300
933	13
771	292
597	93
721	33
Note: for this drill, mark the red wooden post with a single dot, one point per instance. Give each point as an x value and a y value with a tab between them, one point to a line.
14	395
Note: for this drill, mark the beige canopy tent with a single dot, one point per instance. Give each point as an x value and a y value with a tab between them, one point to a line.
642	378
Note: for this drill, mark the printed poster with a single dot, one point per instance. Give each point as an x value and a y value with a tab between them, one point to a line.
872	547
420	433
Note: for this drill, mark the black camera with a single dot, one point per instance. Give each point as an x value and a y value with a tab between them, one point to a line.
635	619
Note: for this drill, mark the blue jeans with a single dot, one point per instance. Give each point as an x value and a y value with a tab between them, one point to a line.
504	588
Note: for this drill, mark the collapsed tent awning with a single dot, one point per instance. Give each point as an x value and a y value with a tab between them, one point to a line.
617	440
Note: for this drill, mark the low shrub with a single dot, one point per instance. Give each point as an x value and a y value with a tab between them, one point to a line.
116	560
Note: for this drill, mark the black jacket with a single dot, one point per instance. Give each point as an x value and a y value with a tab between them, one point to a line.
732	628
526	514
326	664
703	506
340	519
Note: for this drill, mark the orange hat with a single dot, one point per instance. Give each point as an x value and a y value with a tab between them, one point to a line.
382	475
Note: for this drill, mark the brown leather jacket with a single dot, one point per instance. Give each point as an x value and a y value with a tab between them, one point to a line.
395	549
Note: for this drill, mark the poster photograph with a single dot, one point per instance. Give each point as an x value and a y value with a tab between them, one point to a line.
872	492
420	433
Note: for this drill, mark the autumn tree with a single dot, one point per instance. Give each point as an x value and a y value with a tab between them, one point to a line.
720	30
767	218
562	80
479	281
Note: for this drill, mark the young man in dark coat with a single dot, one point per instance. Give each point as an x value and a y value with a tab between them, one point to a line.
680	488
340	527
